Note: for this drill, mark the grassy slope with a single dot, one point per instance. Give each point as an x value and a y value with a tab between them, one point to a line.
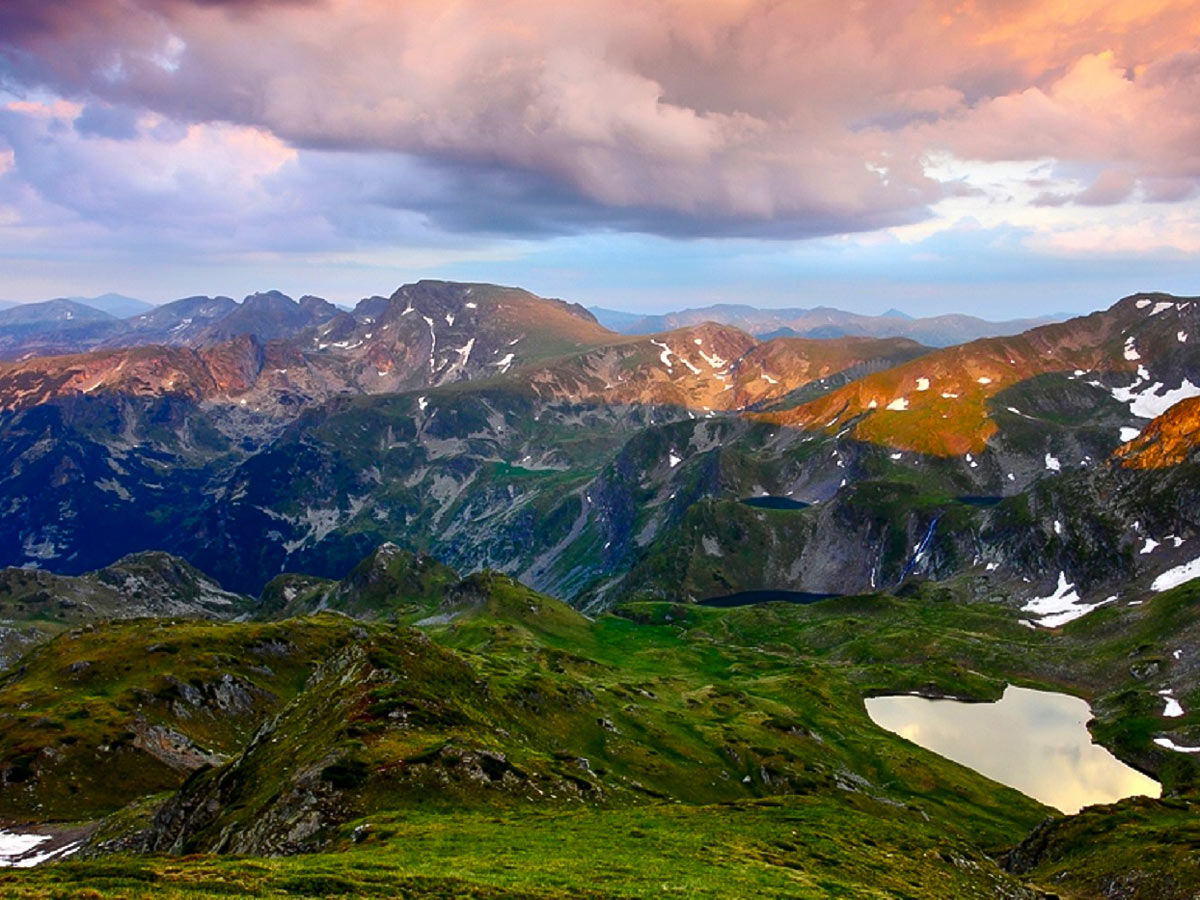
863	813
77	715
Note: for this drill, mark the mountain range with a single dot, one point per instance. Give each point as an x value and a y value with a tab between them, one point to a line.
40	328
499	429
823	322
289	579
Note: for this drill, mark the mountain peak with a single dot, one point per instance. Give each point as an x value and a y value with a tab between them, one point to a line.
265	298
118	305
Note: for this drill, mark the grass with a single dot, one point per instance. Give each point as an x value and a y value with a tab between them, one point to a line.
788	847
665	749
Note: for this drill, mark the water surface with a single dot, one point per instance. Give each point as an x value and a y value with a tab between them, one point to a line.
1034	741
752	598
767	502
983	502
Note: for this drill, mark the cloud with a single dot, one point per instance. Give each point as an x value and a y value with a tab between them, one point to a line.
118	122
1112	186
730	118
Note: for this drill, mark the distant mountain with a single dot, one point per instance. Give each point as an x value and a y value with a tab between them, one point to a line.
59	327
822	322
179	323
270	316
116	304
53	326
621	321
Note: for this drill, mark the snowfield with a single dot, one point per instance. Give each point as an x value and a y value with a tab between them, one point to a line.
1063	606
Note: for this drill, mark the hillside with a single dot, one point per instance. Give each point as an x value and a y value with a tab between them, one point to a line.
944	403
680	737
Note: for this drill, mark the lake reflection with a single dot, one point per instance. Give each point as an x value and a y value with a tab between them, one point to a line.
1034	741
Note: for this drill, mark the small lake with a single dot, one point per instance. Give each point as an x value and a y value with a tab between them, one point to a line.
1034	741
774	503
752	598
983	502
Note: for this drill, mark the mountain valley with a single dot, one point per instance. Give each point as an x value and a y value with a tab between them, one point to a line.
296	592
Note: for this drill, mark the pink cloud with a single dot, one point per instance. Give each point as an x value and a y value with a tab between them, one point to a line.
691	117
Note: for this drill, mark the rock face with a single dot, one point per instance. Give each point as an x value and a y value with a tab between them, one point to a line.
1169	440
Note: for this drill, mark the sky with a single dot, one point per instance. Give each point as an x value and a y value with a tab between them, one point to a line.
997	157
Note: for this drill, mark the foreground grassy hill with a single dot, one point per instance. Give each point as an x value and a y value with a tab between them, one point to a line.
512	747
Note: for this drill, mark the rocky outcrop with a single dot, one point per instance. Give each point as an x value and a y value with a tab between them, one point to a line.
1169	440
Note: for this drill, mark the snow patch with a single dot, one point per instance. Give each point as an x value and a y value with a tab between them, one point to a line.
1128	434
899	404
922	384
1171	745
1161	307
432	342
1174	577
1181	336
422	403
1053	464
16	849
1062	606
1173	708
1149	403
673	459
983	379
949	396
504	363
1131	349
665	356
1149	546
